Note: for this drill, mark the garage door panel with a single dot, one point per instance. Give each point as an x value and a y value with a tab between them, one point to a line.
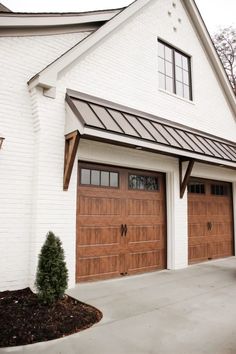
198	252
145	261
198	240
142	207
220	249
221	229
197	207
99	250
145	246
210	229
99	235
197	229
99	206
145	233
98	267
120	230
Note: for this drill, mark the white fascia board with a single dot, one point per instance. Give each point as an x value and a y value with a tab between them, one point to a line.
46	83
74	53
153	146
210	49
52	20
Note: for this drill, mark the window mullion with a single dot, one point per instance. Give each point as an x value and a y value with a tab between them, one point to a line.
190	80
174	75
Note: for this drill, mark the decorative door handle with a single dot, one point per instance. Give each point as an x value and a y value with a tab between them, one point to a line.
125	229
122	230
209	225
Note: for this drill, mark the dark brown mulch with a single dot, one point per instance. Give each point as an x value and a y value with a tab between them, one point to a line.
23	320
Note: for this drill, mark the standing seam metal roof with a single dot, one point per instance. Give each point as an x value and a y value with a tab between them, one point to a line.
117	121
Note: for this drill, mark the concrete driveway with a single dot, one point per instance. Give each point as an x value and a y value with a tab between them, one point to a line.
186	311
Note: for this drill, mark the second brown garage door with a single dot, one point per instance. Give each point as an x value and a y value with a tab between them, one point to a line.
121	222
210	218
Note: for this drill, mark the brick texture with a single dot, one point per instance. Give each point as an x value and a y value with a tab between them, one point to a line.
20	59
121	68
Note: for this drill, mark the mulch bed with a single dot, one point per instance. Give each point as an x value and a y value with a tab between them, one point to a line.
23	320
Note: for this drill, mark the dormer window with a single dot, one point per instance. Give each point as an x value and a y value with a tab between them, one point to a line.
174	71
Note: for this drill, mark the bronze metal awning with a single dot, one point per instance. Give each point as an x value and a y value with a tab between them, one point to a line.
110	118
102	120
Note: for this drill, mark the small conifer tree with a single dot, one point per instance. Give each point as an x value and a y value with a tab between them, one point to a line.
52	274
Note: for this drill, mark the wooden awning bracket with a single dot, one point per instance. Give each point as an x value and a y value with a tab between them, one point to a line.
183	182
71	146
1	141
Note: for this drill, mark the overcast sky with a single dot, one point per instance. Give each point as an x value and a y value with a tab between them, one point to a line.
216	13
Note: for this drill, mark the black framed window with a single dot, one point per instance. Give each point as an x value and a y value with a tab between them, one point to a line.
148	183
174	71
99	178
219	189
196	187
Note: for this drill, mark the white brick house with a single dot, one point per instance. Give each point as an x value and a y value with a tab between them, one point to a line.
101	114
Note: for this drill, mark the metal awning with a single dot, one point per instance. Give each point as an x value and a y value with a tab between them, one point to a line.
102	120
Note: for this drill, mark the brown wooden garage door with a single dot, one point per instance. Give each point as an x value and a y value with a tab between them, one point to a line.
210	218
121	223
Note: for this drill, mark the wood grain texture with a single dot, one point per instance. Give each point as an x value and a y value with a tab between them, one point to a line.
101	251
210	225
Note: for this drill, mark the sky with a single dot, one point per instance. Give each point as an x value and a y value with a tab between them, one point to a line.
215	13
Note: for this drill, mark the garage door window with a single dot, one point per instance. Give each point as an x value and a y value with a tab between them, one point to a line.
195	187
99	178
219	189
148	183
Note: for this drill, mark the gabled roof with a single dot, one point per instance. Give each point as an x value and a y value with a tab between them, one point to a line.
103	120
12	23
47	77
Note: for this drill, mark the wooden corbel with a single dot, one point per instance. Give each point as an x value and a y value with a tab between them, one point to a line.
1	141
183	182
71	146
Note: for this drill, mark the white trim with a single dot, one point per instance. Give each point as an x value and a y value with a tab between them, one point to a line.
153	146
170	213
101	153
41	20
234	213
174	95
207	43
48	76
48	31
72	123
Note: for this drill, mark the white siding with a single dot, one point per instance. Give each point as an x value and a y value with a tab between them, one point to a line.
20	59
123	68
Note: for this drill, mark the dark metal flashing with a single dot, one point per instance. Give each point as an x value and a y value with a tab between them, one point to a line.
23	31
4	9
141	126
57	14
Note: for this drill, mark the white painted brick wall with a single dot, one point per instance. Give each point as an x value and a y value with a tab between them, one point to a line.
54	209
20	59
123	68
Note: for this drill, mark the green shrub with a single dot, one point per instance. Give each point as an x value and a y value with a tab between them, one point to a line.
52	274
